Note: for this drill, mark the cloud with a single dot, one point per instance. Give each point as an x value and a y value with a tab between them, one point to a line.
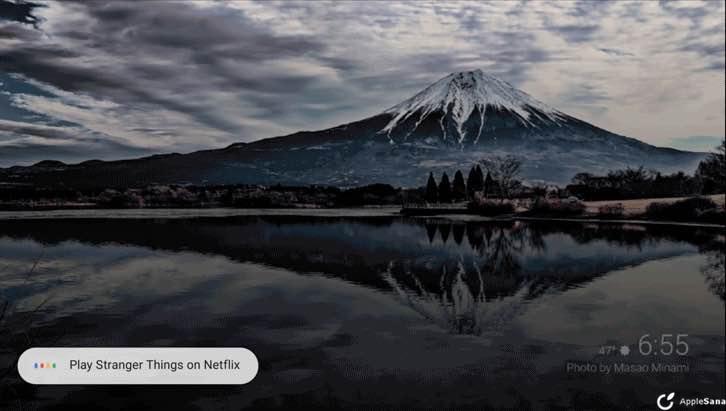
693	10
150	56
19	11
181	76
37	130
23	143
616	52
575	33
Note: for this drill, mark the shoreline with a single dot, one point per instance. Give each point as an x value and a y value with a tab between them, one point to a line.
174	213
357	212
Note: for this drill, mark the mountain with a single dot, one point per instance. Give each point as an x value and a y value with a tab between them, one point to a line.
451	124
462	107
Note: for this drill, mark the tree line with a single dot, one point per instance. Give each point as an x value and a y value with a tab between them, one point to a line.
500	181
497	177
709	178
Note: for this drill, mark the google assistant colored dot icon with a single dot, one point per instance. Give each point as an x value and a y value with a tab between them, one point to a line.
45	365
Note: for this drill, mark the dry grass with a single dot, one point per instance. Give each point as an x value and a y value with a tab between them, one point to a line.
633	207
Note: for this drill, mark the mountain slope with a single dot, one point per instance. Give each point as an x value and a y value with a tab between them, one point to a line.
451	124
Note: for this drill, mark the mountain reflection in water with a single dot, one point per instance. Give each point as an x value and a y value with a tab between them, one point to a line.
350	313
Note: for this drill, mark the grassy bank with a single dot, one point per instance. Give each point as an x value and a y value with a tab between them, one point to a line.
705	209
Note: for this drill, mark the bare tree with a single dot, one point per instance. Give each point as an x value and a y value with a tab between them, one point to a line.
712	171
505	172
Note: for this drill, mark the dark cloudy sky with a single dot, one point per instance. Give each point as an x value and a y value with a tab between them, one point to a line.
98	79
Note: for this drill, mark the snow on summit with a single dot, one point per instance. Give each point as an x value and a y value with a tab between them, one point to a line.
459	95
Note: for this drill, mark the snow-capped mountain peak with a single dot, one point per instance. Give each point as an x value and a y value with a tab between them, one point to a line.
459	95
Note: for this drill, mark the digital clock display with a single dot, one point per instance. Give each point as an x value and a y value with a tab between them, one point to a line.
663	344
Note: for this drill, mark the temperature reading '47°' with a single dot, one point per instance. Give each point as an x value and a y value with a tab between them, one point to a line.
623	350
608	349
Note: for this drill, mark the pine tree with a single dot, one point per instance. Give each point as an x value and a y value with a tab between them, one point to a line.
469	180
432	191
445	189
488	185
475	182
459	187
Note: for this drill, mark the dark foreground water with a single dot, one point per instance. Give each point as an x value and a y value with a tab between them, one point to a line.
376	313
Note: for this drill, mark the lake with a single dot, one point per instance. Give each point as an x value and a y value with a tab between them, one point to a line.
372	312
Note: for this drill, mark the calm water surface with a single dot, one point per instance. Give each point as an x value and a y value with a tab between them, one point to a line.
368	313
